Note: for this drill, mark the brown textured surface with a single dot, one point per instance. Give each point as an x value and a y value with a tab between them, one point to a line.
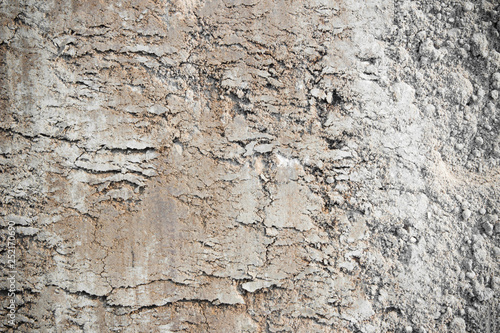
251	166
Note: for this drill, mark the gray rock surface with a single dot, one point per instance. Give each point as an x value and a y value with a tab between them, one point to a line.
250	165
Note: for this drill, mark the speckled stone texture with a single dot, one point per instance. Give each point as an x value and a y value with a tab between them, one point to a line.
250	165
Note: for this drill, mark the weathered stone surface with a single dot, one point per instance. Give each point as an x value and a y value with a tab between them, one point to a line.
250	165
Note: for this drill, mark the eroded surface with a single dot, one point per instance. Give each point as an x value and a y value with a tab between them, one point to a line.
252	166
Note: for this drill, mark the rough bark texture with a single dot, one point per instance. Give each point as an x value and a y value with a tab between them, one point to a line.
251	165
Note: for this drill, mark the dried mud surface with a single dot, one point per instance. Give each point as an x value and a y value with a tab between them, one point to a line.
251	165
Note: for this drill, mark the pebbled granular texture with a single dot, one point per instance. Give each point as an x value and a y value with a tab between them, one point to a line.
251	165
